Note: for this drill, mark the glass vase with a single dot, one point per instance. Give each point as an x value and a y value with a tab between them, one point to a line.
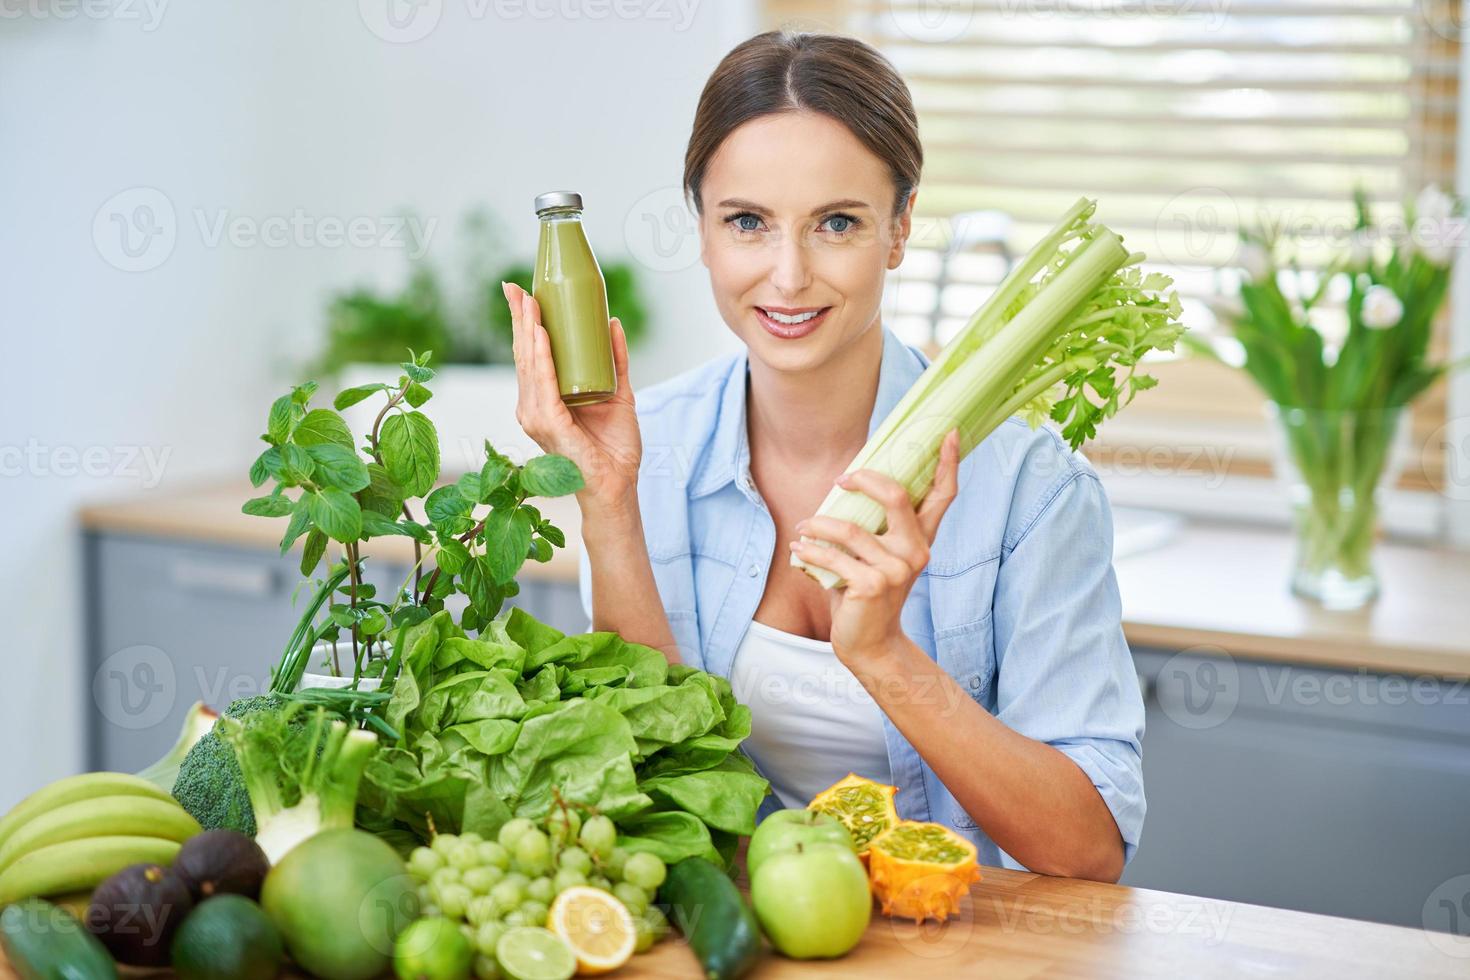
1334	462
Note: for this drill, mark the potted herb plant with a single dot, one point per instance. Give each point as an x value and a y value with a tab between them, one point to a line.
470	537
1338	396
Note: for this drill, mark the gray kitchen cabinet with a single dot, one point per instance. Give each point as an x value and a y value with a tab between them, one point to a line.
173	621
1339	792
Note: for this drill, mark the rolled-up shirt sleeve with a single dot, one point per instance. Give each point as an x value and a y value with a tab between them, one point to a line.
1064	674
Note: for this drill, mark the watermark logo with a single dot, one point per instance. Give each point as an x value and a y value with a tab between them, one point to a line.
1448	449
1191	226
931	21
661	232
147	13
144	464
1446	917
135	687
135	230
401	21
1199	687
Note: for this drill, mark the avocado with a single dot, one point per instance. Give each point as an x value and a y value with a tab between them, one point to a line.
227	937
136	911
221	862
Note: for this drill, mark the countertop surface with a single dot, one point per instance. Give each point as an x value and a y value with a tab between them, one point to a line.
1202	585
1020	925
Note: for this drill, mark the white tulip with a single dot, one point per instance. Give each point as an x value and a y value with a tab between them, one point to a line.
1360	247
1436	230
1381	308
1433	204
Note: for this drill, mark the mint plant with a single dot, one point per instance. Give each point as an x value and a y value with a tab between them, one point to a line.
472	537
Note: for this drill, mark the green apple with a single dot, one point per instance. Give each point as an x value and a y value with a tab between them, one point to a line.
812	900
784	829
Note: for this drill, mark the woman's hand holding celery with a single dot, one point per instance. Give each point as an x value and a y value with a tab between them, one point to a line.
879	569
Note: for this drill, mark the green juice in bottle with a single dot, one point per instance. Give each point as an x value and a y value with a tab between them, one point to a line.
572	295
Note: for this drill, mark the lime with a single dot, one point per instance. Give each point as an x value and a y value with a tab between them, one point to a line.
532	953
433	949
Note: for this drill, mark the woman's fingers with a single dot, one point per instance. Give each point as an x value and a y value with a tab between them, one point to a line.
862	544
946	486
864	578
620	359
904	537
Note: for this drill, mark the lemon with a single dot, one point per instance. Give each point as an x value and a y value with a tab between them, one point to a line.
597	927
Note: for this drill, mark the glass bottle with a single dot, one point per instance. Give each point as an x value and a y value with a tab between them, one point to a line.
572	295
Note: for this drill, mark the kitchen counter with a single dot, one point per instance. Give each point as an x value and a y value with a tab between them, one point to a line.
1015	924
1207	585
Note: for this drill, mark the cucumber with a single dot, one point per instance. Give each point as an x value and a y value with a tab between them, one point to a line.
718	923
43	942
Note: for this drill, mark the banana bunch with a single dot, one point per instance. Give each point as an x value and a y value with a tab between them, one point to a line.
72	834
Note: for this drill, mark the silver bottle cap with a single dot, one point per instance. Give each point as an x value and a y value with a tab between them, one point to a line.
558	199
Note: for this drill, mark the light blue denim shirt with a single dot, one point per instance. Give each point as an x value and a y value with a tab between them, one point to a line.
1018	604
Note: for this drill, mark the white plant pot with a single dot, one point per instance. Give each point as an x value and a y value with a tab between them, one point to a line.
322	653
471	403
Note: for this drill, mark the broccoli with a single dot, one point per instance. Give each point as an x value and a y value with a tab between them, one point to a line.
301	772
210	785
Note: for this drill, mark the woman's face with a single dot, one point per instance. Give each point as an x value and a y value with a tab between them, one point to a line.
798	219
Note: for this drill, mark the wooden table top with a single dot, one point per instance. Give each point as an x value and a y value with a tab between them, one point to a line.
1020	925
1207	585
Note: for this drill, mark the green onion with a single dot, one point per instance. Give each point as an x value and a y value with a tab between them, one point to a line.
1061	338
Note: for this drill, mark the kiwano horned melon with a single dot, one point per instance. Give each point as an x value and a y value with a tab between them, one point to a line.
921	870
864	807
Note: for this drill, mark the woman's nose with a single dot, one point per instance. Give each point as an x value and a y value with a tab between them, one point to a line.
790	272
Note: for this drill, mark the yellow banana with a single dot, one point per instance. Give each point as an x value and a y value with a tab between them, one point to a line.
87	786
108	816
77	864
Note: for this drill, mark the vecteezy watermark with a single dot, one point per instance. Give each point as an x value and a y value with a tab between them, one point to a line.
931	21
1182	916
1198	687
1446	917
142	463
135	688
661	233
1447	451
407	21
147	13
1213	11
137	229
1447	18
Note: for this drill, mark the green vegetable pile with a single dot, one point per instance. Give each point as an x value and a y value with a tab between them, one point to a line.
495	727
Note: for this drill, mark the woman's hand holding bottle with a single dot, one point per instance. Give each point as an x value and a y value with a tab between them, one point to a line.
603	438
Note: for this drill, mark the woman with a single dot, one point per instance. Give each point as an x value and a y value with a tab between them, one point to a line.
976	658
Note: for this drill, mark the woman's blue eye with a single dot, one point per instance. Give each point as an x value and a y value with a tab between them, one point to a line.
847	223
742	218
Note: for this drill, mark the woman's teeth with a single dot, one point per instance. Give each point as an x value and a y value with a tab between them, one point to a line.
789	320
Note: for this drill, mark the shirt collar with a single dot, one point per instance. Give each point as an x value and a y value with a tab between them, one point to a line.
729	449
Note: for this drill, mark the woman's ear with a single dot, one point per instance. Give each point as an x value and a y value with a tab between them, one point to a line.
902	227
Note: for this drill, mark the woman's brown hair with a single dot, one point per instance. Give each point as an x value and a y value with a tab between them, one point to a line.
840	77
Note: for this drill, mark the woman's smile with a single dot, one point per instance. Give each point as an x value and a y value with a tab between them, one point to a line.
790	323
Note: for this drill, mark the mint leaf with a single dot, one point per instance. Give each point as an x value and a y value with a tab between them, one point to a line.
550	476
266	465
410	448
322	426
337	513
381	494
296	465
375	525
507	541
453	557
300	522
338	467
416	394
540	550
492	475
417	531
469	486
348	397
278	426
302	393
417	372
445	504
552	533
274	505
316	546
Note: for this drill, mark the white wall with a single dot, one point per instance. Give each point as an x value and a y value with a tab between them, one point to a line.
245	113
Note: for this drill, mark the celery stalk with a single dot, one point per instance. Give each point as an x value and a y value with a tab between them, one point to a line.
1070	315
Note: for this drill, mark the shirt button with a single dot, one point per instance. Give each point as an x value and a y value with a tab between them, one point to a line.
974	683
753	571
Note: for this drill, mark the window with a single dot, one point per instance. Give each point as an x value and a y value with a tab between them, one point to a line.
1186	119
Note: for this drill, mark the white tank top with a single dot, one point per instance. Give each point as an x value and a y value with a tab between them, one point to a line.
812	721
